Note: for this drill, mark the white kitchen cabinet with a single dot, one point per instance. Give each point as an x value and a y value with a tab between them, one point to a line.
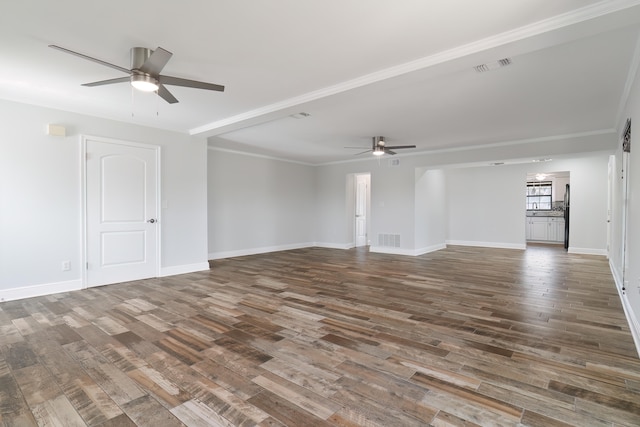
556	229
545	229
539	228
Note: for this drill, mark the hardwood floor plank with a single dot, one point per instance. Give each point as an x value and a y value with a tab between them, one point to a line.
284	411
145	411
316	379
194	413
19	355
227	378
36	384
471	396
57	412
164	390
444	419
12	402
91	402
531	419
308	400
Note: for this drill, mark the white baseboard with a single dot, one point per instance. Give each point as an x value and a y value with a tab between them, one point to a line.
335	245
429	249
39	290
391	251
342	246
183	269
617	274
587	251
256	251
634	324
407	252
31	291
497	245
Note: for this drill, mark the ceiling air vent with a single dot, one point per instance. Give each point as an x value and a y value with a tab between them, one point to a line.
492	65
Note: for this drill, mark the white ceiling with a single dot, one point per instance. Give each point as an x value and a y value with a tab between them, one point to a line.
398	68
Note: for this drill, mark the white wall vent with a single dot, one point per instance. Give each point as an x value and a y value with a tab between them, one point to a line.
394	162
389	240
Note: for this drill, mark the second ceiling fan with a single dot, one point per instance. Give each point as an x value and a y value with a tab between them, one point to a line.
379	147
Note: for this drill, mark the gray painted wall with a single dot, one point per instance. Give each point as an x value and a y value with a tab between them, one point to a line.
40	194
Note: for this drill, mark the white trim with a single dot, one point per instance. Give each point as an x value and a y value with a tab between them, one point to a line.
587	251
392	251
83	206
183	269
260	156
634	324
632	320
349	245
497	245
256	251
547	25
617	276
40	290
428	249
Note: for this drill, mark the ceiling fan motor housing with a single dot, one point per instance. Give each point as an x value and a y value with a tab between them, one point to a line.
138	56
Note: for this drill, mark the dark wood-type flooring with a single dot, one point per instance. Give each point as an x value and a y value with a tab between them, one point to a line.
319	337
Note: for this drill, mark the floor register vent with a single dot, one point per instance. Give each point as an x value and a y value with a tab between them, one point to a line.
389	240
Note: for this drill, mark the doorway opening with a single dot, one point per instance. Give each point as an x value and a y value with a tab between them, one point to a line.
547	208
362	209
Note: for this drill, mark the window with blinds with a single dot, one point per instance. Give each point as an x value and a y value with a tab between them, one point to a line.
539	195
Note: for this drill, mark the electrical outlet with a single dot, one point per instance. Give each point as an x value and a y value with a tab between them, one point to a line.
66	265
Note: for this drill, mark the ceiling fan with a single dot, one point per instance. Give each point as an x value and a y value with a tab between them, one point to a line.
379	148
144	74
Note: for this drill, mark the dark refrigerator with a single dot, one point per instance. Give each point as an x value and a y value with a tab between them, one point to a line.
566	217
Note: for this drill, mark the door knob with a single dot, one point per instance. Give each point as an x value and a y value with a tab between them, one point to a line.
151	220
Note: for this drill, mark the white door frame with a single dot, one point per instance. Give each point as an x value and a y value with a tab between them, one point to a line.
611	174
84	199
625	216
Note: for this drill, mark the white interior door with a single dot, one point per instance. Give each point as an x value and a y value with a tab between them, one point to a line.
121	211
362	184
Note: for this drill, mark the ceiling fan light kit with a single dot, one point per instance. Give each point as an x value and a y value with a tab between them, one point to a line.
144	74
144	82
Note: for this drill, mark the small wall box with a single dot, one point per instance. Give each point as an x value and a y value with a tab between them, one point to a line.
56	130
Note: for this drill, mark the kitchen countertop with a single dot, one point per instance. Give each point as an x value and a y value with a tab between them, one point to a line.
546	213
